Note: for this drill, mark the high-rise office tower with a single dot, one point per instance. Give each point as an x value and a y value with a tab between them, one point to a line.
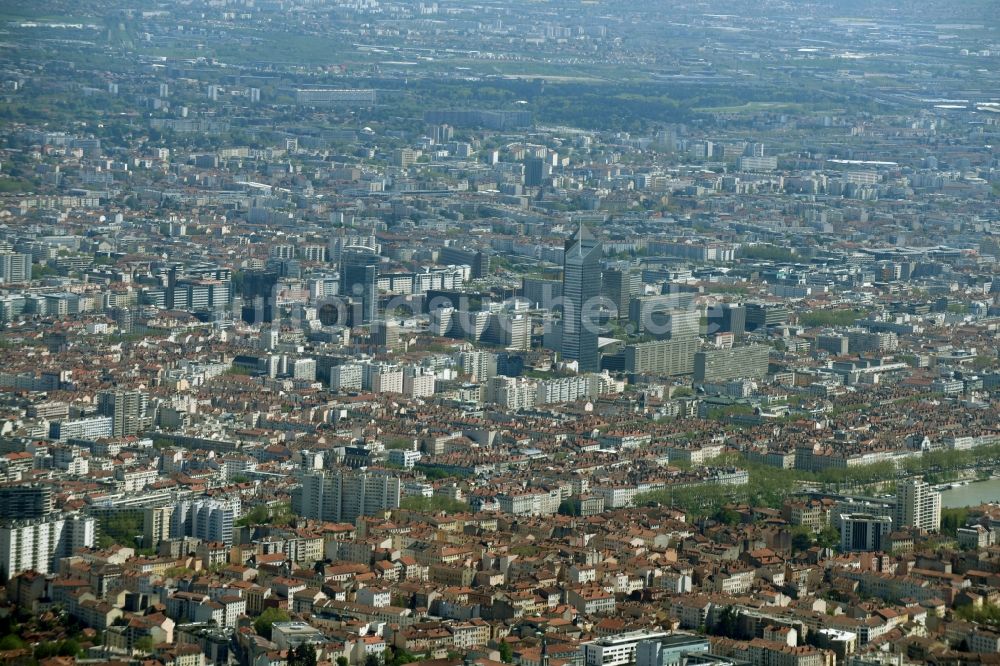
918	505
127	410
341	240
259	296
535	172
733	319
619	286
581	289
665	315
343	495
359	279
764	315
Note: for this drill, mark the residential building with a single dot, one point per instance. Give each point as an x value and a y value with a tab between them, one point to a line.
37	544
720	365
917	505
343	495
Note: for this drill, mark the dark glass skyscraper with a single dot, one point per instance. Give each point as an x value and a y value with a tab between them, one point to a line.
359	280
581	291
734	319
619	286
259	289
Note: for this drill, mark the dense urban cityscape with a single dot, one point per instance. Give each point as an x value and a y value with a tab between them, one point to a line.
453	333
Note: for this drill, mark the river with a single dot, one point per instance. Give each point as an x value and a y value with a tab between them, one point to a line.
973	494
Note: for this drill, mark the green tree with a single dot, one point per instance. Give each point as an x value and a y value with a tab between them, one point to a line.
828	537
801	541
45	650
988	614
69	648
342	661
262	625
398	657
506	653
143	644
952	519
121	529
303	655
11	642
373	660
726	516
567	508
259	515
728	624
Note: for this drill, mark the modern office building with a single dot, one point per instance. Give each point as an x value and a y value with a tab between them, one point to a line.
200	295
665	316
340	241
506	324
541	292
720	365
834	344
581	289
259	296
732	319
763	315
359	280
617	649
918	505
620	286
478	261
860	341
343	495
13	305
672	650
864	532
535	172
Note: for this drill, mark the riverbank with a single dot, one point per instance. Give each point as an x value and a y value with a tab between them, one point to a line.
973	493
